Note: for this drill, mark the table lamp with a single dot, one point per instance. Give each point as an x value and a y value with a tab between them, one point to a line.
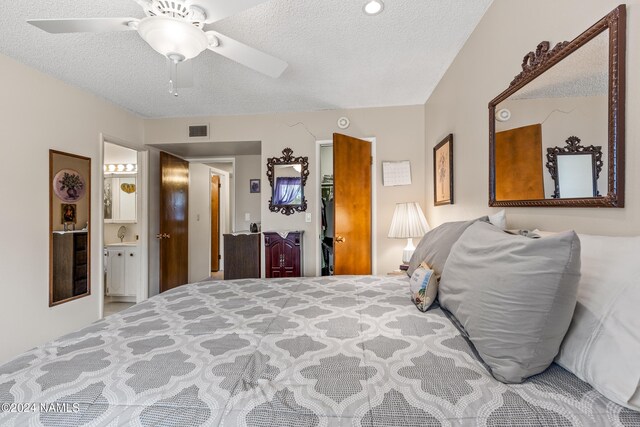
408	222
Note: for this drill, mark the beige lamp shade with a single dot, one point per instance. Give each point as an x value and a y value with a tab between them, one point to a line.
408	222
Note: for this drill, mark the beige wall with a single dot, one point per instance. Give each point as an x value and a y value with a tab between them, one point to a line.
39	113
400	136
248	167
485	66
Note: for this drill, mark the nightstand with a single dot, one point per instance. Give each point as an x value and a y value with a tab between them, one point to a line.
397	273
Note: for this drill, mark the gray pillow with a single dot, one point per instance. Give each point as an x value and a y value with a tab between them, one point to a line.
435	246
513	295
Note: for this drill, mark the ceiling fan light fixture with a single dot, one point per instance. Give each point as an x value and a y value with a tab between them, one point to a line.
373	7
169	36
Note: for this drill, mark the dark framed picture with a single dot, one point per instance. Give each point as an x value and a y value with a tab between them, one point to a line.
254	185
68	213
443	172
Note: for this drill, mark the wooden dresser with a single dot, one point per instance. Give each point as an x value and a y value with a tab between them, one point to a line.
242	256
283	254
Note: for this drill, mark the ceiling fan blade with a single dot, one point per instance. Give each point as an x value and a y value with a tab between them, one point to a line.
248	56
145	4
83	25
216	10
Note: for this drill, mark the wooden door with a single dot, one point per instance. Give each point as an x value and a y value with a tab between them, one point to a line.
174	226
518	154
352	205
215	223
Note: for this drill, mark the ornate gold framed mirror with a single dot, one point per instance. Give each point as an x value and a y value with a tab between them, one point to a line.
573	90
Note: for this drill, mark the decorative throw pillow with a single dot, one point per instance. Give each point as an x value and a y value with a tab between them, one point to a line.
513	295
435	246
423	286
602	346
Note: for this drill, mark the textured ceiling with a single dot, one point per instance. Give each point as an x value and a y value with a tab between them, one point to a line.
338	57
583	73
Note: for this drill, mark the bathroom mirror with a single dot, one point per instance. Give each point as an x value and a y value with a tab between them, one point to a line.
69	234
574	88
287	177
120	196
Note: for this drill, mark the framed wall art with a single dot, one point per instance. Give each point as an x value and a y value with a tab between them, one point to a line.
254	185
443	172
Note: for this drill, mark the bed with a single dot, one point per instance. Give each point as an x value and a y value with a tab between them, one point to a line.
349	350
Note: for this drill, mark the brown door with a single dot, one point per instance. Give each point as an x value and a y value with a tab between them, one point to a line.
215	223
174	226
519	164
352	205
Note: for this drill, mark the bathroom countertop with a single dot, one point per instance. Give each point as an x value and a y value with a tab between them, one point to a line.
112	245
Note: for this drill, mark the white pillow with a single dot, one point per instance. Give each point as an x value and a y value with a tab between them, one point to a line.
499	219
602	346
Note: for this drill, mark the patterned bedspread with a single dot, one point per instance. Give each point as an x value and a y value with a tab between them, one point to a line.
284	352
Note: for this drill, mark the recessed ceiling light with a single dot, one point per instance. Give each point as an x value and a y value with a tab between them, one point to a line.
373	7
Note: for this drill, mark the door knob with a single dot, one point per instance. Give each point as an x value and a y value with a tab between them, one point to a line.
340	239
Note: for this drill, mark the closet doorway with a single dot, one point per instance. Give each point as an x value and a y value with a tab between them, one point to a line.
346	199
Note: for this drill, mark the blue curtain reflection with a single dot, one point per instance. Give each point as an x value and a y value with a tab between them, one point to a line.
288	191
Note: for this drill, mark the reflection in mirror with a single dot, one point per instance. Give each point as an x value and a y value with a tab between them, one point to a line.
574	88
575	176
287	176
575	169
288	185
69	219
568	99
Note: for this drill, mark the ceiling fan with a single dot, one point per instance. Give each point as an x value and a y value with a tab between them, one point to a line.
175	29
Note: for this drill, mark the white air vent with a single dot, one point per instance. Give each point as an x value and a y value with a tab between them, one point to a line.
198	131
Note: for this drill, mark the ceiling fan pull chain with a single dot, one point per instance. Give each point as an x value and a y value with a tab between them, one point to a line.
173	79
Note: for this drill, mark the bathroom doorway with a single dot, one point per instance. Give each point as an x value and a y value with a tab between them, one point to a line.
124	226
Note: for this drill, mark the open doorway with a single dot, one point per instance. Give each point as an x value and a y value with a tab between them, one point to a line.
221	209
332	229
124	226
238	163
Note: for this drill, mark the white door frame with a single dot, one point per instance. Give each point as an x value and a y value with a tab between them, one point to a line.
224	175
142	208
374	214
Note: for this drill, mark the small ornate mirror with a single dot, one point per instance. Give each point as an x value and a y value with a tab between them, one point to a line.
287	177
69	219
572	88
575	169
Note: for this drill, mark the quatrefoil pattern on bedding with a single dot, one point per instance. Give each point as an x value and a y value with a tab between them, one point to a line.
291	352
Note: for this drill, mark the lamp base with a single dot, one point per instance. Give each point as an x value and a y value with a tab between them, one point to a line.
407	252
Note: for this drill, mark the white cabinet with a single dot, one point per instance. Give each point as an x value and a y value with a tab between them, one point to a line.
120	197
123	271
